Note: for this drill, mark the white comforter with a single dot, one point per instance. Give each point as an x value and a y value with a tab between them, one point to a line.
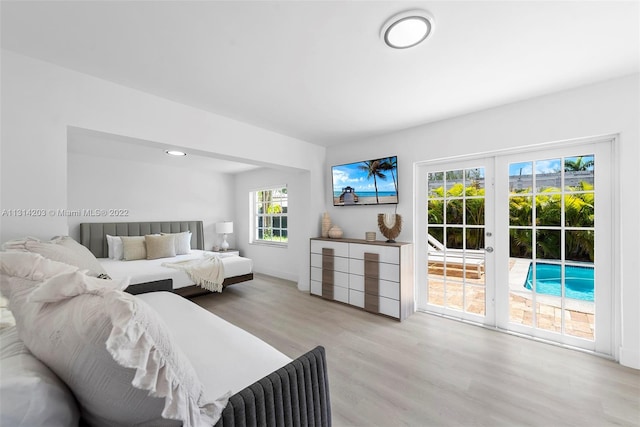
142	271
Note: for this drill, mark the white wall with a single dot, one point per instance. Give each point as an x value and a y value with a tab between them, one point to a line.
274	260
40	100
148	192
607	108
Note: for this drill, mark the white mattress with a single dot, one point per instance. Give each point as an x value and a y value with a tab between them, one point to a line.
225	357
149	270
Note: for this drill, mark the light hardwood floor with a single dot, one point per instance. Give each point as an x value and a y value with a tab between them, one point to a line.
432	371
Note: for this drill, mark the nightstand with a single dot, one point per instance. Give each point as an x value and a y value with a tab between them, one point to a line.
227	253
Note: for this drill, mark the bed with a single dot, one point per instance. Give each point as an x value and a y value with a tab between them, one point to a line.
150	274
82	351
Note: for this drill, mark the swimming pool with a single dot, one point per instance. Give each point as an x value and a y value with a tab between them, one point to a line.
578	280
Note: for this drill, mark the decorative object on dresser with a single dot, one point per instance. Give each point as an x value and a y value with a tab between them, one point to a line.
390	226
326	224
224	228
370	236
335	232
375	276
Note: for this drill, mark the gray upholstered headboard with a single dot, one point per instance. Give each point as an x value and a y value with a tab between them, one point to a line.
92	234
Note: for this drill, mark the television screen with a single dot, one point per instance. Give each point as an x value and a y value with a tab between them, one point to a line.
370	182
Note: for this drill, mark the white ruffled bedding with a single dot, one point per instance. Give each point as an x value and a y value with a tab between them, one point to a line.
142	271
225	357
88	331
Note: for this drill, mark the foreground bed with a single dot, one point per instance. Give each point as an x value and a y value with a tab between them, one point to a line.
142	272
152	359
289	393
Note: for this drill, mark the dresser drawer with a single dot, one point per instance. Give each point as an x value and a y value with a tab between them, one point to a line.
389	289
341	294
386	271
390	307
386	288
356	282
339	263
340	249
316	274
390	255
386	306
341	279
338	278
356	298
316	288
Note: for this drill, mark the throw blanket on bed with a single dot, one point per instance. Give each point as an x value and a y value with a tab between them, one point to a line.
207	272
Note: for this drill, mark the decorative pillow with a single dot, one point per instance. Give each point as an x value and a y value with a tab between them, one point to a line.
134	247
183	242
30	266
163	246
63	249
115	247
32	395
110	348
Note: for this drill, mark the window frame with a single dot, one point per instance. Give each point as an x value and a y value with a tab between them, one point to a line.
255	216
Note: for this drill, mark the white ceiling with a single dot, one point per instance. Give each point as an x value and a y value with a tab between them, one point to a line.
318	70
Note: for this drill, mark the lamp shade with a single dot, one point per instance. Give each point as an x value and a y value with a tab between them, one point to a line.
224	227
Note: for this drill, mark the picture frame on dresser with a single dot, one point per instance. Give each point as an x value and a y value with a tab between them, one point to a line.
375	276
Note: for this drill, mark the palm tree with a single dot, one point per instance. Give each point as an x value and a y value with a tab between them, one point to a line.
390	164
578	164
373	169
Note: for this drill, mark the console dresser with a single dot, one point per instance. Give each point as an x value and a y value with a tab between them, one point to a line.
373	275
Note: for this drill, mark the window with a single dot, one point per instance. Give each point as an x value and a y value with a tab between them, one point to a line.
270	210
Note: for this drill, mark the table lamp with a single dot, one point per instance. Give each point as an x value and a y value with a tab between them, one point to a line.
224	228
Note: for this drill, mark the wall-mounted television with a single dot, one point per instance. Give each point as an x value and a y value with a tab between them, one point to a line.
368	182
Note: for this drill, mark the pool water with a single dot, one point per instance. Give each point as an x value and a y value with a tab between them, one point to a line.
578	281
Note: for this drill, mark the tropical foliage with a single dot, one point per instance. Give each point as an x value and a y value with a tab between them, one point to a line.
454	210
578	214
578	217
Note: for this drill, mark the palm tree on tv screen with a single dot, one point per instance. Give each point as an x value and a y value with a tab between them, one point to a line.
390	164
373	169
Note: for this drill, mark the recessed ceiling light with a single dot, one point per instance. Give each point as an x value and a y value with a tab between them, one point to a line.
175	153
407	29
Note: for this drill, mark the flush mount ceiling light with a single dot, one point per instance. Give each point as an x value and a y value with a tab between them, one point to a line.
407	29
175	153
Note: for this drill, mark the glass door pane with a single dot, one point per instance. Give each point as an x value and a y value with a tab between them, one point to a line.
551	253
456	240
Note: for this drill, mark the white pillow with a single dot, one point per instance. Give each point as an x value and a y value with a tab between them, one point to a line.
115	247
32	395
182	242
111	349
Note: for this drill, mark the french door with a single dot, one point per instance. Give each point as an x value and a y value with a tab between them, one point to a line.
456	244
521	242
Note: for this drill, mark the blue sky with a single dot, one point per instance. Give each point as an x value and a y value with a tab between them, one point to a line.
351	175
543	166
